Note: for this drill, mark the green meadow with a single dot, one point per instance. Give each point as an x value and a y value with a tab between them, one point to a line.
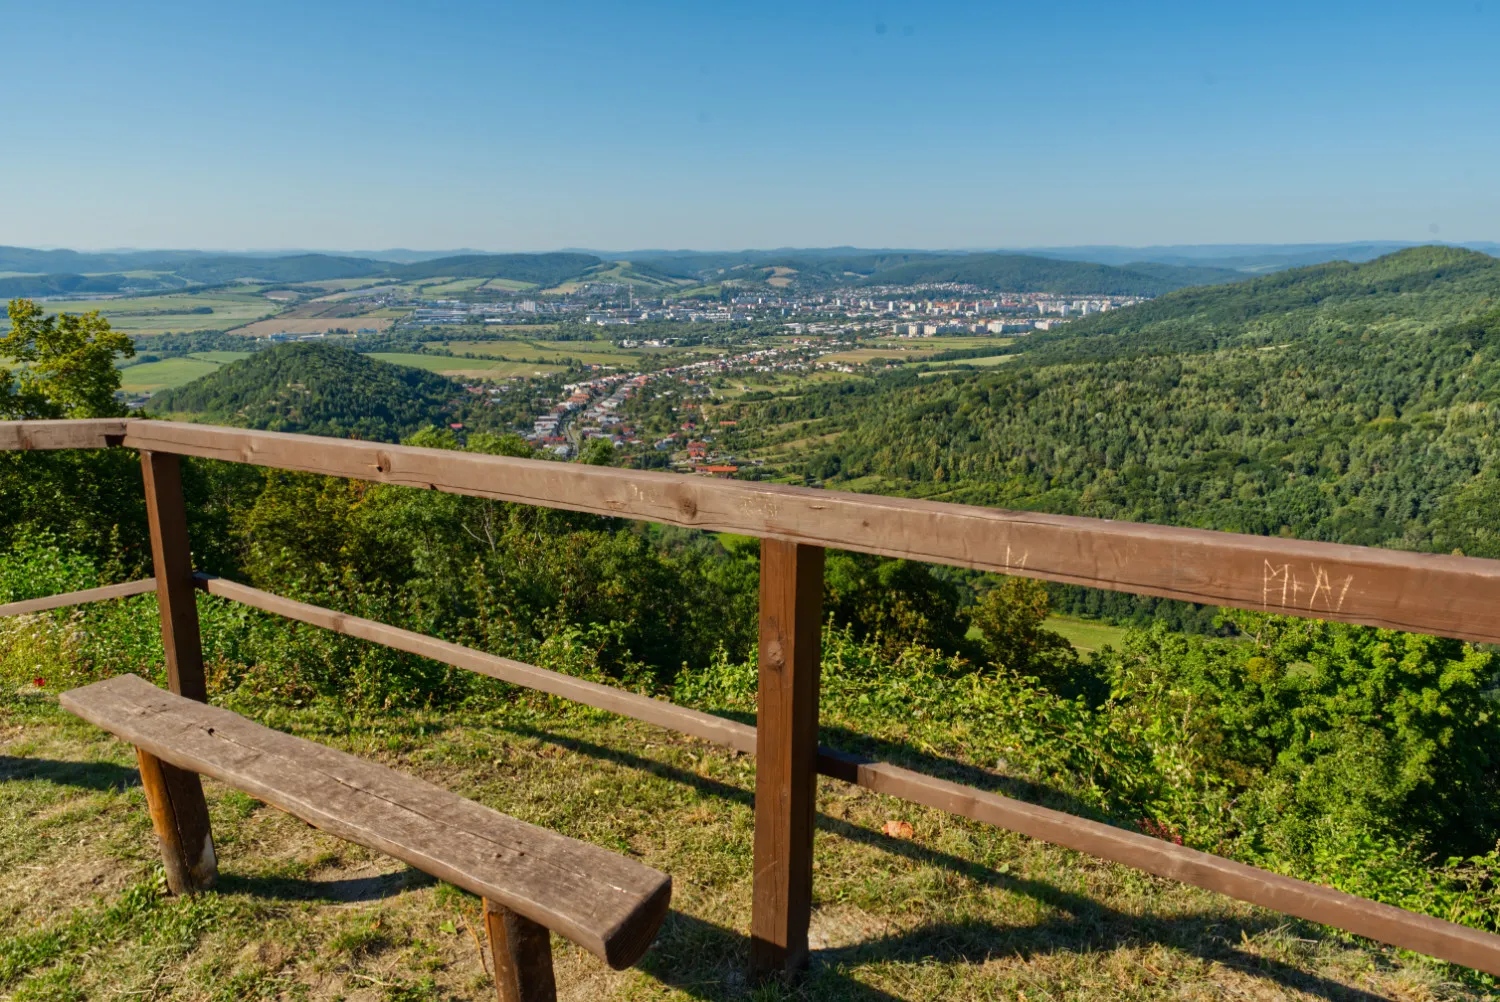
149	377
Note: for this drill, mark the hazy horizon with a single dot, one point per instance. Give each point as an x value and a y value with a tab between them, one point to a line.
1224	248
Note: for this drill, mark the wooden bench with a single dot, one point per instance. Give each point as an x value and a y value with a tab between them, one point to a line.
531	879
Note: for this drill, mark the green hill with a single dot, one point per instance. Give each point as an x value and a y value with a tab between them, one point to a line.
805	271
293	268
1350	403
68	284
317	389
1420	288
538	269
1024	273
155	271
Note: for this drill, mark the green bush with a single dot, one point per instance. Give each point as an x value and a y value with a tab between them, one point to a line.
37	566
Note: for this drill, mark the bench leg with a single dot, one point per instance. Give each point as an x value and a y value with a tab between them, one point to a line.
522	951
180	817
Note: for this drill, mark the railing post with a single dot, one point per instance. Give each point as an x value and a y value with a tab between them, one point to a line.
177	802
786	749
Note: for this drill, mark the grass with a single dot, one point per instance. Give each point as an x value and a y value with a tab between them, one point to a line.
149	377
1086	634
473	367
957	911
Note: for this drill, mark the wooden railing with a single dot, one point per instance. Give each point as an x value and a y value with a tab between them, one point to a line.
1448	596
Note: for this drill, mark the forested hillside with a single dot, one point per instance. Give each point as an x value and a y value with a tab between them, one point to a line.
1409	292
317	389
540	269
812	270
1352	403
147	270
1024	273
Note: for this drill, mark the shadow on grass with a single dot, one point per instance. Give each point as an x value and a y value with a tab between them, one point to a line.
688	948
347	890
89	775
941	767
707	961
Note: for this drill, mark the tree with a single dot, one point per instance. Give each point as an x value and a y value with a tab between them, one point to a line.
1011	616
68	364
898	601
599	452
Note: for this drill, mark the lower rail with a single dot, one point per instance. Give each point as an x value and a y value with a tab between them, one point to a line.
1385	923
125	590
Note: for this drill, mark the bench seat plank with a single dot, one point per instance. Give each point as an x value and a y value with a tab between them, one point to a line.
608	904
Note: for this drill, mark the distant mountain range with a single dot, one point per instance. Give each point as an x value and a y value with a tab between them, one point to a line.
1148	271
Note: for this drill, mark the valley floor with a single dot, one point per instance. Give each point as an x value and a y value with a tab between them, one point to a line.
955	912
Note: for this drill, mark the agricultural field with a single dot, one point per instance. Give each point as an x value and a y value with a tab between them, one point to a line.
149	377
982	363
585	352
620	272
340	284
312	325
340	296
861	356
146	315
777	382
472	368
914	350
944	343
447	288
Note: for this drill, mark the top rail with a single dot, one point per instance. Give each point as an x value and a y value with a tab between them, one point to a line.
1427	593
92	433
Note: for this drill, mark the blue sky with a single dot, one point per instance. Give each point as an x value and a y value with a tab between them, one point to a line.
722	125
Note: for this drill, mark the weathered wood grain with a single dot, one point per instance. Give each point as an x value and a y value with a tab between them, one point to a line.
786	777
66	599
740	737
522	952
91	433
175	800
604	902
1429	593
